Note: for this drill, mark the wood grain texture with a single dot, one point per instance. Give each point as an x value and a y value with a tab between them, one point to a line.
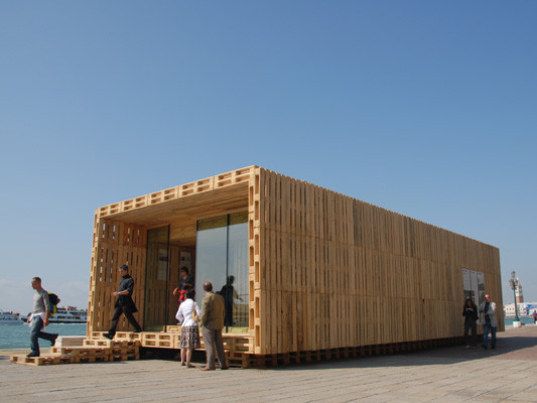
338	272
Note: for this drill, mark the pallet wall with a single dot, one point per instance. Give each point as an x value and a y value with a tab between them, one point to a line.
328	271
114	243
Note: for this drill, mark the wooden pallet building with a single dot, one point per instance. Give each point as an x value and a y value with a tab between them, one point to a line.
309	272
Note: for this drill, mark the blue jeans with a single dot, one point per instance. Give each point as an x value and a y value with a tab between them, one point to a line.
486	330
36	332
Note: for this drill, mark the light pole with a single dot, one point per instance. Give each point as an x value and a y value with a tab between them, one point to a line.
513	282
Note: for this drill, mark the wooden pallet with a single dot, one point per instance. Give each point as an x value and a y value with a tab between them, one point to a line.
125	350
128	336
82	350
98	342
159	340
44	359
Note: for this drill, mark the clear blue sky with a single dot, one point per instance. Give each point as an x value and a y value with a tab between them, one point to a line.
427	108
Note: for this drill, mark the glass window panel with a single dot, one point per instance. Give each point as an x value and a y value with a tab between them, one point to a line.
222	258
235	292
211	254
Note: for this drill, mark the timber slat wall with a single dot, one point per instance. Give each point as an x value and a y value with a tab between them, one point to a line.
337	272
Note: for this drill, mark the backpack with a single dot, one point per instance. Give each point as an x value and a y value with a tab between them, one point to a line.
54	300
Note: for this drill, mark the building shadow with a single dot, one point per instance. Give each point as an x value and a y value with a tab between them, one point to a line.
509	346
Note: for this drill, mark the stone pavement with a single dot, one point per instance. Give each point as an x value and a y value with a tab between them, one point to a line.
508	373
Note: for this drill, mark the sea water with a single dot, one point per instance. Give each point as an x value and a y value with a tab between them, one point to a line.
526	320
18	335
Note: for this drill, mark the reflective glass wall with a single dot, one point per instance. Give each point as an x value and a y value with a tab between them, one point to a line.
222	259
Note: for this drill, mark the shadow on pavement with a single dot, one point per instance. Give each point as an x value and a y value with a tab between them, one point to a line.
519	344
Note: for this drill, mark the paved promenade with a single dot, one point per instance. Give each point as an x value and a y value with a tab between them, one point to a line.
444	375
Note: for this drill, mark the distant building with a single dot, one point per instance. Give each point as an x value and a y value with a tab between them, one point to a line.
518	293
524	308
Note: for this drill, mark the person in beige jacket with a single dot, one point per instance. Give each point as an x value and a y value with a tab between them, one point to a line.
212	323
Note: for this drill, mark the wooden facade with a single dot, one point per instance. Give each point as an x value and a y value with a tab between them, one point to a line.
326	271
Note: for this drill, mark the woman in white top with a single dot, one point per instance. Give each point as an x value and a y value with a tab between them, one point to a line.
187	315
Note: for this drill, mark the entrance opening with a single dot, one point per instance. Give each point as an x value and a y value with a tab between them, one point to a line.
170	248
162	237
211	249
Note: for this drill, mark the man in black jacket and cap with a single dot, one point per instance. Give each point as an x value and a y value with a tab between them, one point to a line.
124	303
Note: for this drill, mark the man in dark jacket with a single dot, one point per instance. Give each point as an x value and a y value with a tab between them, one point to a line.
124	303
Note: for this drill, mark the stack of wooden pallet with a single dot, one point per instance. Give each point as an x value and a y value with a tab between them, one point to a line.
235	345
119	350
83	353
160	340
92	350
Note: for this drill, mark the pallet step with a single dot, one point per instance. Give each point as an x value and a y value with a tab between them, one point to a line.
91	351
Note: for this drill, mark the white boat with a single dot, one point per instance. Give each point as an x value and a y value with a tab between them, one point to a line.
9	318
69	314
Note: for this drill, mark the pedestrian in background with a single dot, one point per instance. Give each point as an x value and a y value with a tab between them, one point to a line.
186	283
39	318
487	312
470	322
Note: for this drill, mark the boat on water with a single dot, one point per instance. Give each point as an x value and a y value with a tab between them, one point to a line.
9	318
68	314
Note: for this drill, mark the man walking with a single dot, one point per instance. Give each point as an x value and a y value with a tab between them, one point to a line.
488	319
39	318
124	303
212	322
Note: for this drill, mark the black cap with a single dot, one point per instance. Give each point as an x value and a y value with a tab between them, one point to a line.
124	267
